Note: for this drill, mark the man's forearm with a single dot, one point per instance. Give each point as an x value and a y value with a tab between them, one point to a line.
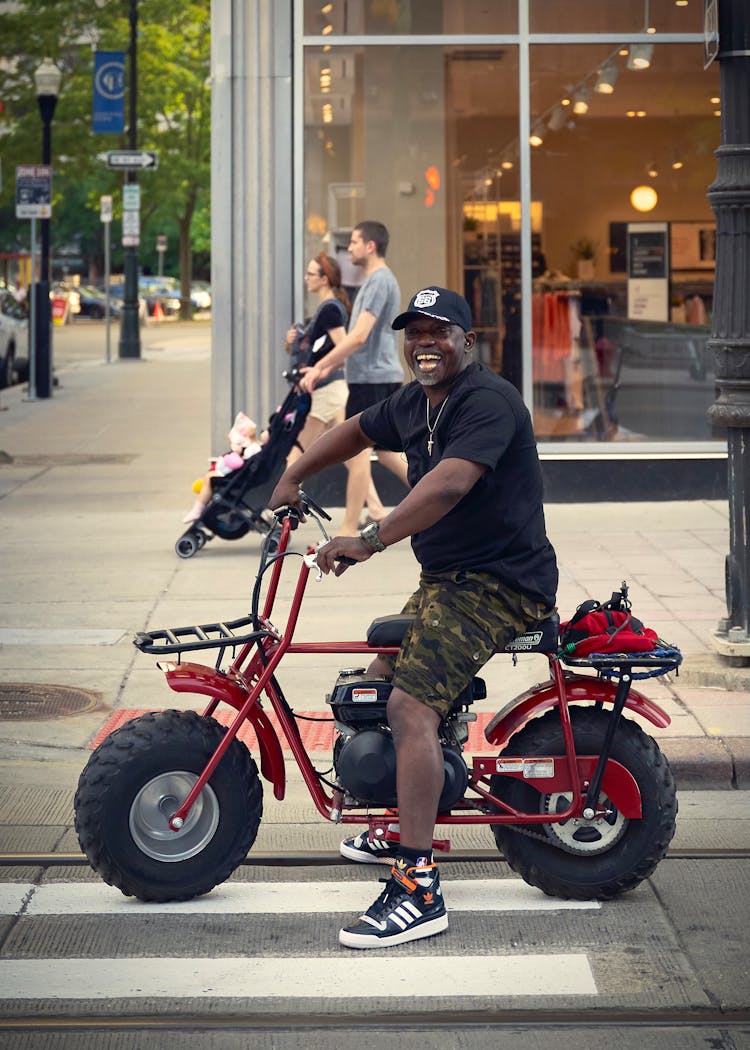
335	446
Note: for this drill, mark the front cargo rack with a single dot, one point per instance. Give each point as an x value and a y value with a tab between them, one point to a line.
171	640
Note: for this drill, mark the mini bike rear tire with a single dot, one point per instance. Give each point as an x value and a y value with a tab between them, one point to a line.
133	783
636	847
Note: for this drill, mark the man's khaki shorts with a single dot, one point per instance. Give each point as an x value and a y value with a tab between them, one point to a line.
461	620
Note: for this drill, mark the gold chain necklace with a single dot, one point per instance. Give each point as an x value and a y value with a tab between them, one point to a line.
431	429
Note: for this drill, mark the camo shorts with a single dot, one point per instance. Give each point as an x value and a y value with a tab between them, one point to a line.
461	620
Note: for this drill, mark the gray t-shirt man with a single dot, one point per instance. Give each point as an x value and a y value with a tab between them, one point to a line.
377	360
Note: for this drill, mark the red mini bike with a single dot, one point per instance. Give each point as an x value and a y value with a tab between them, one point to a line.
580	800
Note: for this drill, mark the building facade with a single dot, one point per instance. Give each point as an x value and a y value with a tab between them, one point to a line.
548	158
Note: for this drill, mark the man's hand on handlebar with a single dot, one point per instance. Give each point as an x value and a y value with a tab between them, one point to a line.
287	494
339	553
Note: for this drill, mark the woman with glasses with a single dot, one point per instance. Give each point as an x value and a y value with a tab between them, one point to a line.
309	345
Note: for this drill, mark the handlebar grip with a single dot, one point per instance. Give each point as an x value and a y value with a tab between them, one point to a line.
346	561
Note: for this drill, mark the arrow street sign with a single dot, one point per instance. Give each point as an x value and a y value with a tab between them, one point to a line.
132	159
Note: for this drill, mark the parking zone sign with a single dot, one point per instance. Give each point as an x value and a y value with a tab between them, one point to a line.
34	191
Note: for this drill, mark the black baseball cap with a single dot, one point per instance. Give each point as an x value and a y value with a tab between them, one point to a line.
439	303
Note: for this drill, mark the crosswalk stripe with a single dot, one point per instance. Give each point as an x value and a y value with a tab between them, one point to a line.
253	898
373	977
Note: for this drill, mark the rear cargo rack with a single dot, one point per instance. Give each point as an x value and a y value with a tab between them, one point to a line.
172	640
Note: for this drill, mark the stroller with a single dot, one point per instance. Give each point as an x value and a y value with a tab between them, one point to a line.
233	509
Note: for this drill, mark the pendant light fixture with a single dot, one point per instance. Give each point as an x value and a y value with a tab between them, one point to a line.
605	82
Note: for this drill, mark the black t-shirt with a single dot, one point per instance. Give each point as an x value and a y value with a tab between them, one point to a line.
498	527
330	314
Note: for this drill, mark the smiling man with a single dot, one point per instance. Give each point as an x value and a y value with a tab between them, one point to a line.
476	521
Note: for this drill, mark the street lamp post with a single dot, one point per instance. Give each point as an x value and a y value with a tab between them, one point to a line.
130	335
47	81
730	328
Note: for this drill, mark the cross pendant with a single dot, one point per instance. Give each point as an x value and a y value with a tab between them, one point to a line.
429	445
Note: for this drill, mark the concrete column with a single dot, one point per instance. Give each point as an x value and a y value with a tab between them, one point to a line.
252	248
730	329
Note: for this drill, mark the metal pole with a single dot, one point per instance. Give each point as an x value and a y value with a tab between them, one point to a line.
32	315
730	330
130	335
43	317
107	317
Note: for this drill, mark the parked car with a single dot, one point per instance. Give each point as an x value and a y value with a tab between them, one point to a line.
117	301
200	295
14	336
164	290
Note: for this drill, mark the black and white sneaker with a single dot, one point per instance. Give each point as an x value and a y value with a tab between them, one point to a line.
410	907
364	851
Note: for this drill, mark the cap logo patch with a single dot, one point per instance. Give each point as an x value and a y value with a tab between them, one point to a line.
427	297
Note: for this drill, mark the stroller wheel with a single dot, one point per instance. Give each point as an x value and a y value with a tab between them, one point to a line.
187	545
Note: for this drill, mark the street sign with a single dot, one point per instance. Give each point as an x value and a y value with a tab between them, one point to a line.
105	209
131	196
132	159
33	191
131	229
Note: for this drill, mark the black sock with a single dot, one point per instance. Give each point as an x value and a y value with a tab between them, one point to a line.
412	856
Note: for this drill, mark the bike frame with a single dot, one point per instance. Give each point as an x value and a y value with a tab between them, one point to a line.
251	675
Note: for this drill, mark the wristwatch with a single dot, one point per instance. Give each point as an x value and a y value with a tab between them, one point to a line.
370	536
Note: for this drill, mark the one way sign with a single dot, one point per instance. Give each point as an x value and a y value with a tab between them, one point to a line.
132	159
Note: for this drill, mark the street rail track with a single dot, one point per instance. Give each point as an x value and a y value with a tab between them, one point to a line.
438	1021
318	858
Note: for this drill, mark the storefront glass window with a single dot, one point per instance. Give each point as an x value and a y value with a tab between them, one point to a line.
397	17
616	16
622	306
425	138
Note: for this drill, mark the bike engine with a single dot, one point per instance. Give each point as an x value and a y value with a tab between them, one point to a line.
364	755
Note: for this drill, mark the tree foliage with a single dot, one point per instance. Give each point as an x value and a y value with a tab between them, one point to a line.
173	118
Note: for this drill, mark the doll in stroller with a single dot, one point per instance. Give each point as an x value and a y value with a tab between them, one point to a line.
231	500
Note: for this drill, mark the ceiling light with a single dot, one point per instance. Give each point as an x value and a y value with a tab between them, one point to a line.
507	164
326	9
558	119
680	3
640	56
640	112
327	30
651	29
536	138
677	164
623	51
564	101
605	82
653	171
327	113
581	100
717	112
644	198
714	100
630	113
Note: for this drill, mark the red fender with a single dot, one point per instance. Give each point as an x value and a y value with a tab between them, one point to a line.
207	681
579	689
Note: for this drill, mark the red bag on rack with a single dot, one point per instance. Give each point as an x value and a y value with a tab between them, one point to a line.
596	628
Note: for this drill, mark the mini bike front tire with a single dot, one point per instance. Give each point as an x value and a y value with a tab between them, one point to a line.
637	846
132	784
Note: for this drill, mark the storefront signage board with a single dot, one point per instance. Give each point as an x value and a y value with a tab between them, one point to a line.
648	271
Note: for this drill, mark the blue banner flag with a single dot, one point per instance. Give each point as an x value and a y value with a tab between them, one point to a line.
109	92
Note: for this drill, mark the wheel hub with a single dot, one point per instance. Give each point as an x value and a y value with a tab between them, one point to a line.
154	806
578	835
